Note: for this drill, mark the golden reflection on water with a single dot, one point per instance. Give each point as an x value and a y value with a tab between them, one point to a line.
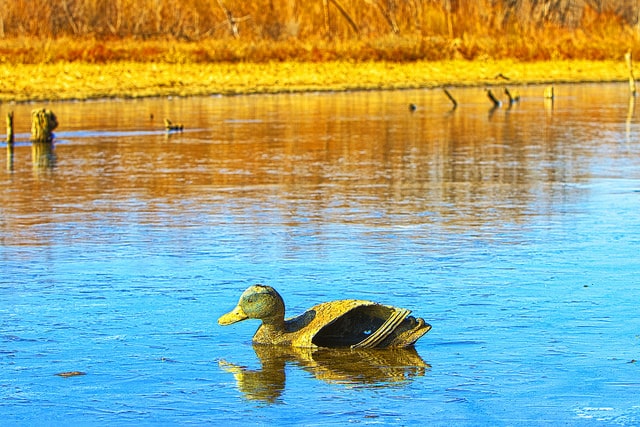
123	227
334	153
42	156
372	367
629	121
10	157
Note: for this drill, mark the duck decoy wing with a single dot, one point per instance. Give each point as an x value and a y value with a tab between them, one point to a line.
329	324
390	325
356	324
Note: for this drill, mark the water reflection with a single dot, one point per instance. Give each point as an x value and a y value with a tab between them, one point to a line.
371	367
42	155
10	154
331	156
517	236
630	111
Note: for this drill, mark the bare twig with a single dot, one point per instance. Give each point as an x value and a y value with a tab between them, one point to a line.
451	98
69	16
387	16
492	97
325	10
512	98
346	16
233	23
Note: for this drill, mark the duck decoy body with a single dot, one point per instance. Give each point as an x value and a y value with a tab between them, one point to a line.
342	323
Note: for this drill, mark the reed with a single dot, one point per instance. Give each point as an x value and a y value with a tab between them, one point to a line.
318	30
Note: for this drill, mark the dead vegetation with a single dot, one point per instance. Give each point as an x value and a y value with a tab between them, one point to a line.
317	30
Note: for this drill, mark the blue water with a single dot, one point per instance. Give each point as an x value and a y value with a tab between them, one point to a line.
514	232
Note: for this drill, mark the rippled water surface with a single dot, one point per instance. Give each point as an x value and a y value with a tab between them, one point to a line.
514	232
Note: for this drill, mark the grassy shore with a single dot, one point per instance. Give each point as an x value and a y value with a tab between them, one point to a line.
95	49
124	79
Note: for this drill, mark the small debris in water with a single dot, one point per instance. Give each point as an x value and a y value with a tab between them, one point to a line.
513	98
70	374
170	126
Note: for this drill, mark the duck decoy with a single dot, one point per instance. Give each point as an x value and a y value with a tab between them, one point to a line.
342	323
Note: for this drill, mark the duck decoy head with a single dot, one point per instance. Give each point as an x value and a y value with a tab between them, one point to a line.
257	302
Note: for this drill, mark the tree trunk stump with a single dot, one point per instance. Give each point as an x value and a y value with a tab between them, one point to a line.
43	122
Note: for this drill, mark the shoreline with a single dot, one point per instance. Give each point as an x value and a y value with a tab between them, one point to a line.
81	81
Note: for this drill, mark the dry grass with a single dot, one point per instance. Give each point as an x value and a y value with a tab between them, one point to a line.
79	49
555	44
63	80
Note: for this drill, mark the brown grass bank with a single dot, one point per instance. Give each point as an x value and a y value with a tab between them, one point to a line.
79	49
79	80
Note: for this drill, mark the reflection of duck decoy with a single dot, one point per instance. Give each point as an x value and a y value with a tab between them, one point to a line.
362	366
373	367
342	323
266	383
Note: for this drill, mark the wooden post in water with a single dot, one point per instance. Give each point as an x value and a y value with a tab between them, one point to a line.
632	79
43	122
10	128
10	140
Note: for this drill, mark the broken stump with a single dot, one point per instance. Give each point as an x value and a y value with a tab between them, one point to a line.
43	122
